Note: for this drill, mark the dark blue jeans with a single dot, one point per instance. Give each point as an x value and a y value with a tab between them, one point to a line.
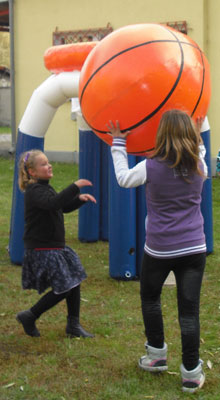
188	271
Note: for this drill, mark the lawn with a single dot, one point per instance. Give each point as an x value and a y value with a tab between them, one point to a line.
54	367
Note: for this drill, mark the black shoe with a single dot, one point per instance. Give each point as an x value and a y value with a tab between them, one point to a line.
27	319
74	329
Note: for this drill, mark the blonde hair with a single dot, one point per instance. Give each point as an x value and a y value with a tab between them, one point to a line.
27	160
177	141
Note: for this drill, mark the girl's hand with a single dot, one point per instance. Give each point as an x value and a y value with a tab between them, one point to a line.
114	130
87	197
199	122
83	182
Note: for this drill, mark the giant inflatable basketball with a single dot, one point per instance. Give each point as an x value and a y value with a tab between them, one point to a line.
135	74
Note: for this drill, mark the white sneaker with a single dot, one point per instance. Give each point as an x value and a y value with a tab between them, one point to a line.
155	360
194	379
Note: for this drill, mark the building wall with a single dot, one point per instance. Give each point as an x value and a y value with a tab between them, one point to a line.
213	54
35	21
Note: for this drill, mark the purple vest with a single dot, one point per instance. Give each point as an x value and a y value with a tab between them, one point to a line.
174	219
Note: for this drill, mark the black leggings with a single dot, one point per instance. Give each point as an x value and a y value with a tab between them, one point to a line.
50	299
188	271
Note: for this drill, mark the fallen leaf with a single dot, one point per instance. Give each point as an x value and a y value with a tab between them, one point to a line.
9	385
172	373
209	364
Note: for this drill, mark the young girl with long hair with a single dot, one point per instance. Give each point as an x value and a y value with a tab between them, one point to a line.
173	174
48	262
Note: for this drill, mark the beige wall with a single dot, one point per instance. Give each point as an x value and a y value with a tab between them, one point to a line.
213	54
36	20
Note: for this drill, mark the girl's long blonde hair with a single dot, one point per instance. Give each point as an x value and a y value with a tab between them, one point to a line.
27	160
177	141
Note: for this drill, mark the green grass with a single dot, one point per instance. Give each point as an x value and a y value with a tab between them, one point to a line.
54	367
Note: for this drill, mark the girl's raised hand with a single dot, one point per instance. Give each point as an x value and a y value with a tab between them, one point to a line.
83	182
87	197
199	122
114	130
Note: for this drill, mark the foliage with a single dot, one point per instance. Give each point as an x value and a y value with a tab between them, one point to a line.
5	129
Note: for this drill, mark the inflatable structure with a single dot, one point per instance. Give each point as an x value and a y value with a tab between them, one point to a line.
133	75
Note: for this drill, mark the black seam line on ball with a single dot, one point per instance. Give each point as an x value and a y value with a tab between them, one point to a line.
160	105
203	74
202	87
125	51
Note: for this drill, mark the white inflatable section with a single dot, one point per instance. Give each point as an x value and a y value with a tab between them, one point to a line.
82	125
45	101
205	126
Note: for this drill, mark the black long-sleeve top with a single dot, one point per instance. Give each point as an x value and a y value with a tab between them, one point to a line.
43	214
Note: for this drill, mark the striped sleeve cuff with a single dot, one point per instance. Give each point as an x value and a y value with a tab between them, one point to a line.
118	141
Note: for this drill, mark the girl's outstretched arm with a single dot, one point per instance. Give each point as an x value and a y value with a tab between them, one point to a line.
126	177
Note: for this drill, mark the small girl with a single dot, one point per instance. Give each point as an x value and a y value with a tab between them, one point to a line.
48	262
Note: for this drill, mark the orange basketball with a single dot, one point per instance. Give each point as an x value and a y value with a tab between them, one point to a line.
135	74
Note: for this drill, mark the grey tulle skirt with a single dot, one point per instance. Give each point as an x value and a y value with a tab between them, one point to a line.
59	269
